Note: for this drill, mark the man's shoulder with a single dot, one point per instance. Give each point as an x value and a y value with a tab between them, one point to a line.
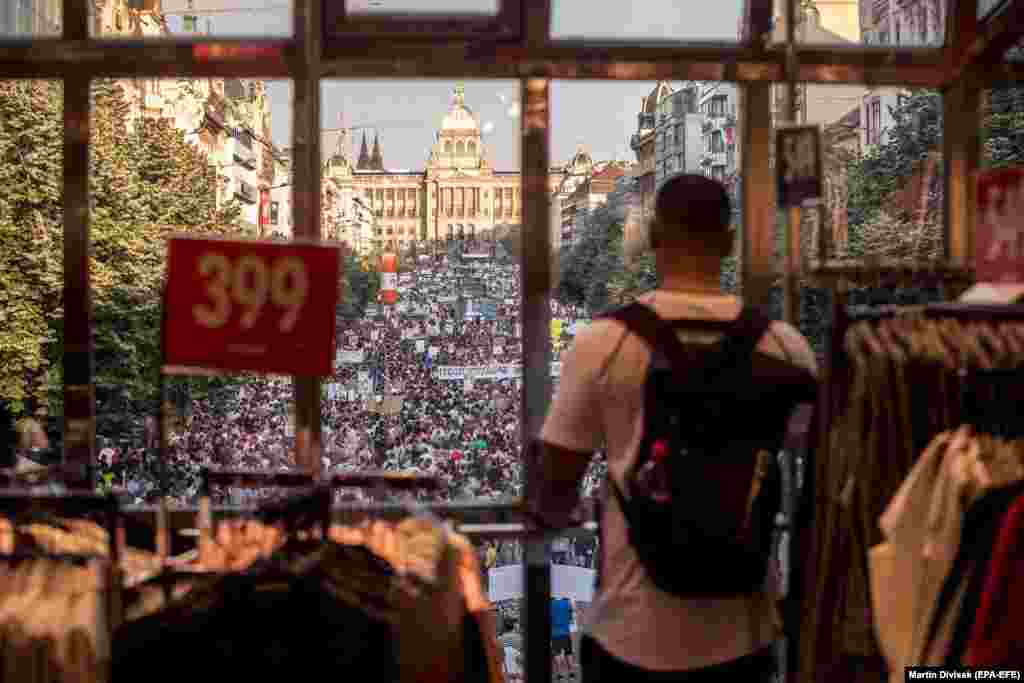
789	343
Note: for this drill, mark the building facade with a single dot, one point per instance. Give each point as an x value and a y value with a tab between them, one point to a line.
902	24
227	119
568	198
677	135
719	108
457	195
278	215
30	17
592	193
643	144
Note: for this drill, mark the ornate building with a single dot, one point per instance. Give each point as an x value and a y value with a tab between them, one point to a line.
458	194
643	144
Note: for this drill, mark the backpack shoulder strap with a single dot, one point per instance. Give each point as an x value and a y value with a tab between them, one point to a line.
736	347
642	321
742	337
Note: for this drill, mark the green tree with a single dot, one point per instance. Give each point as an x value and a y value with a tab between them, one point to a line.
31	240
1003	130
594	272
146	182
880	223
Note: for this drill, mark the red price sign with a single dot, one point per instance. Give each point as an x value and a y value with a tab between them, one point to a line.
251	306
999	234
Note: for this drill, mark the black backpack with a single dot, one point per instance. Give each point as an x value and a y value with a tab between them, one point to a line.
723	410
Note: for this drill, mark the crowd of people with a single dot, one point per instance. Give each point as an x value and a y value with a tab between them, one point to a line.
389	405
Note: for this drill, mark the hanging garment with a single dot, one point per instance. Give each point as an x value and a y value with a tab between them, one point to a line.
432	585
53	626
997	638
957	603
258	628
482	615
900	385
67	536
923	526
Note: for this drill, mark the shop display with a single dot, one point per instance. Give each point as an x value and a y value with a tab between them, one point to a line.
923	429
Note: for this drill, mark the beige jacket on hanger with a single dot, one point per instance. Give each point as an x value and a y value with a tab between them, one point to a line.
922	526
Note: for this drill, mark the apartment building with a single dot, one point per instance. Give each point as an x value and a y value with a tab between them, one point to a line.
678	136
30	17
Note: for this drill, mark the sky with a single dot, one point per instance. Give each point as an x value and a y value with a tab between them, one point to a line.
601	115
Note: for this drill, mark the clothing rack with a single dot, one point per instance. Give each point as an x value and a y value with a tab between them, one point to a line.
844	318
396	481
50	475
318	502
839	272
16	503
836	393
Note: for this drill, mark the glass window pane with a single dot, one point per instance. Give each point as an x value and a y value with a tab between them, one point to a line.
986	7
449	7
204	156
653	20
31	267
180	18
1002	131
30	17
606	170
573	566
423	171
867	22
883	173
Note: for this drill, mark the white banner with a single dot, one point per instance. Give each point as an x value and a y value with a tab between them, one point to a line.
421	346
574	583
459	373
350	356
510	302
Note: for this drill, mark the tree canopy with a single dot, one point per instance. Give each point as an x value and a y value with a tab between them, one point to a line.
146	182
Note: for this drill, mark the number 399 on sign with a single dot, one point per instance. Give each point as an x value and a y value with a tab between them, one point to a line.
251	306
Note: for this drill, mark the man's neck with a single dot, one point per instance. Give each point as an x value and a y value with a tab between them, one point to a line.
692	283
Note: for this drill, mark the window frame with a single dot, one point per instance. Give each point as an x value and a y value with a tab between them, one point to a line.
341	26
517	44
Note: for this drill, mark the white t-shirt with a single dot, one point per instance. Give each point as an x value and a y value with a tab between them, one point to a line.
599	404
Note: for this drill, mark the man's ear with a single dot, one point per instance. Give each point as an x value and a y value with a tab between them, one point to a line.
653	233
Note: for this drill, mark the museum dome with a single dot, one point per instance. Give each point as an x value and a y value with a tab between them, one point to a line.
459	118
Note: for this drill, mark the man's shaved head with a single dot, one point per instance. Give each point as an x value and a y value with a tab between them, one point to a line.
691	208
